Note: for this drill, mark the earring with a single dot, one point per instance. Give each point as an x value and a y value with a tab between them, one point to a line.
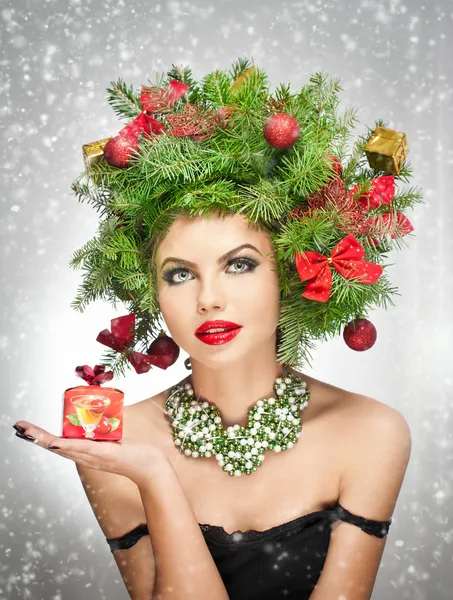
188	364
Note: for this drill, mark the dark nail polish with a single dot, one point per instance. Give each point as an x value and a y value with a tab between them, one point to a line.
19	428
54	447
24	436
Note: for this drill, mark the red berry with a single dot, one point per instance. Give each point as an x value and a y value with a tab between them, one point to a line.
104	425
97	403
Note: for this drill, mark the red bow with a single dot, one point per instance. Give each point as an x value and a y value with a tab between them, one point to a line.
122	336
154	100
381	191
96	376
346	257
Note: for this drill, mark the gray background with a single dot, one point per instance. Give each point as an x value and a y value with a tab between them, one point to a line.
394	59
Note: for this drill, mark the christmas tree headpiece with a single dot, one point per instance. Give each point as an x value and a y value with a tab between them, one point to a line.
227	145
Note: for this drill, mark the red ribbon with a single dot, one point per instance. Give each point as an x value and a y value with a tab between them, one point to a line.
346	257
96	376
381	191
122	336
192	122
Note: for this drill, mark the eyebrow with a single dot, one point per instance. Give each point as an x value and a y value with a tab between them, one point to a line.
220	260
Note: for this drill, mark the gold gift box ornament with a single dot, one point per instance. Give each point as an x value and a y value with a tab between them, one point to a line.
94	152
386	150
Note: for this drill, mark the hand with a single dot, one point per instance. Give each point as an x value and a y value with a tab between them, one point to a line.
128	457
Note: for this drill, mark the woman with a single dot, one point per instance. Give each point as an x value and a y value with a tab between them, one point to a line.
308	522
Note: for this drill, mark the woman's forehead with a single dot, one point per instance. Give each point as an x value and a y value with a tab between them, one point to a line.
212	232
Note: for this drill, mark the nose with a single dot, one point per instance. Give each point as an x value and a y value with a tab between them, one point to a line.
210	297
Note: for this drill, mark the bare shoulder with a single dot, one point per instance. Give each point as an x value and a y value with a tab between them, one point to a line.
355	409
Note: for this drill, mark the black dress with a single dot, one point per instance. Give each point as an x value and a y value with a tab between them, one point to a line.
282	562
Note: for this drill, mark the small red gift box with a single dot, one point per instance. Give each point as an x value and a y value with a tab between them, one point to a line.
92	411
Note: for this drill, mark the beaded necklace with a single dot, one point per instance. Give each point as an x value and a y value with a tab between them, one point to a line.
272	424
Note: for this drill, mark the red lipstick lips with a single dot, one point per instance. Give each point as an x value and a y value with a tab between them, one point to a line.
222	337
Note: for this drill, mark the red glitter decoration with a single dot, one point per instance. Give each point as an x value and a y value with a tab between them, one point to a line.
281	130
119	150
360	334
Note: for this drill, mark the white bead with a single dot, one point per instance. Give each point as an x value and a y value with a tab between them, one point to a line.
192	411
257	416
248	465
280	392
250	441
260	403
178	442
253	431
272	435
231	454
277	449
237	455
204	417
205	404
290	444
248	455
285	429
217	420
254	451
221	463
265	443
278	411
285	410
261	457
208	454
181	434
287	380
230	429
298	434
212	427
236	427
187	452
228	467
187	386
219	456
243	442
278	380
267	429
271	401
190	392
205	430
193	438
209	446
258	444
203	449
238	473
195	454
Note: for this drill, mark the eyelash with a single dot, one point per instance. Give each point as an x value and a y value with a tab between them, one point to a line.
168	275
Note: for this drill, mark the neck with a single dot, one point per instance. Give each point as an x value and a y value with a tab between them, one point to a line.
236	387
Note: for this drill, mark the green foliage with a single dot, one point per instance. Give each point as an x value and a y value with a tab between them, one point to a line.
235	170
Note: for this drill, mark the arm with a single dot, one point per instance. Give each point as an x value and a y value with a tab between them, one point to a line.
185	569
117	506
377	458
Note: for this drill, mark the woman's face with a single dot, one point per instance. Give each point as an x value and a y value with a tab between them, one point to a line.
242	288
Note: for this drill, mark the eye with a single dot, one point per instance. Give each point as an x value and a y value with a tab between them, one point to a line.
247	265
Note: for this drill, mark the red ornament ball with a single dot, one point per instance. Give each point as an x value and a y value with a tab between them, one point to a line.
166	347
281	130
119	150
360	334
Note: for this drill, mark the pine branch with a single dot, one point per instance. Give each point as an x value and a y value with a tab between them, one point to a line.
123	100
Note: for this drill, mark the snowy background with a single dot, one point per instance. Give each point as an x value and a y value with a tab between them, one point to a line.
57	58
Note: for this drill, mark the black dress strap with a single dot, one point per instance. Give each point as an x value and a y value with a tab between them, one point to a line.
377	528
128	539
